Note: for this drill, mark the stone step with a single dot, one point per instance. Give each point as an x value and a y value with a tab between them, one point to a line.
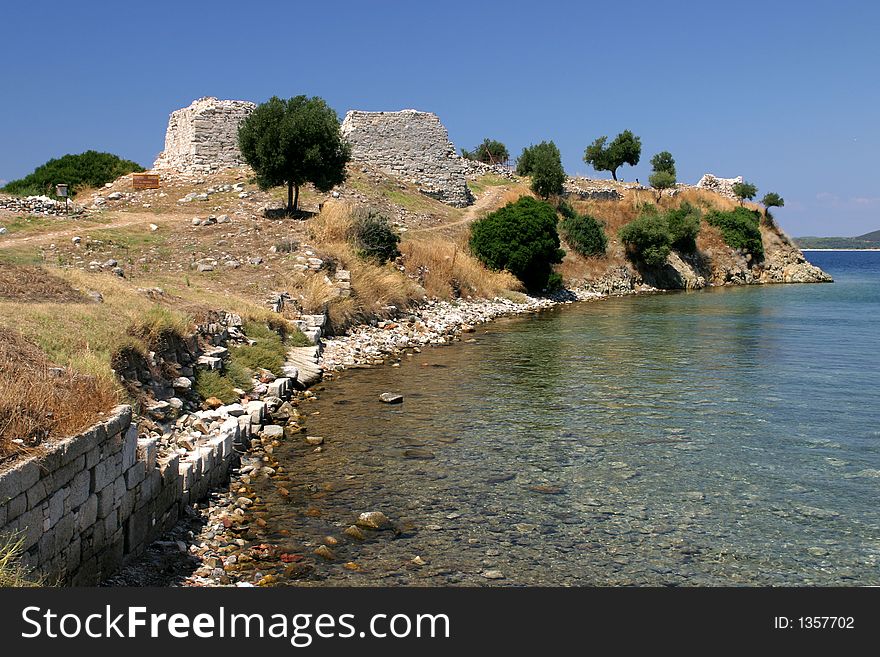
302	365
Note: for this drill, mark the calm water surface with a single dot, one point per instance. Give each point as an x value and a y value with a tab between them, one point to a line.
711	438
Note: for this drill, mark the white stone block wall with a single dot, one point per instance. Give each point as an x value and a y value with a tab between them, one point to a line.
204	136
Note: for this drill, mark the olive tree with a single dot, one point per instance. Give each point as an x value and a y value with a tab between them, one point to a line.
293	142
626	148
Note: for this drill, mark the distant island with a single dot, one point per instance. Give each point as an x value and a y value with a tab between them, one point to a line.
866	241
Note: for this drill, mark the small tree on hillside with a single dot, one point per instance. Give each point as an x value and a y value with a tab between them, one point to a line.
490	151
772	200
661	180
663	161
744	190
292	142
543	163
625	149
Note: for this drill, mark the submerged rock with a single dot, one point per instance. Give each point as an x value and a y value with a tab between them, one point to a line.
373	520
391	398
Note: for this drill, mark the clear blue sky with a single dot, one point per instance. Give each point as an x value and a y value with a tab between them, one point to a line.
784	93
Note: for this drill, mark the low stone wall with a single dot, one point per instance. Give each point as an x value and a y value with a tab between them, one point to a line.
95	499
37	205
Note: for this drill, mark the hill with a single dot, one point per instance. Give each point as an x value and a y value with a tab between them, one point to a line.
867	241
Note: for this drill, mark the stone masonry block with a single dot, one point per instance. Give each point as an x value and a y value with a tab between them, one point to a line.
147	450
18	479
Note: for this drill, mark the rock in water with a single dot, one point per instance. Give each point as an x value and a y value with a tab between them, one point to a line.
391	398
493	574
325	552
355	532
373	520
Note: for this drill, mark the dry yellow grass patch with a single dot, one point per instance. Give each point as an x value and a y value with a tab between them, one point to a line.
447	270
37	402
85	336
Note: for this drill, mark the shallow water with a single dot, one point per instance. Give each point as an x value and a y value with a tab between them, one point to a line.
721	437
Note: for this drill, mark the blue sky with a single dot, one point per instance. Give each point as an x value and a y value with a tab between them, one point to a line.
783	93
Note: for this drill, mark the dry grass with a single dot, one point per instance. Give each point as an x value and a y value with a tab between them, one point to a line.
12	573
85	336
34	285
445	269
38	402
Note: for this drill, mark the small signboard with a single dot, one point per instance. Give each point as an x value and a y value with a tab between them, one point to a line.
145	180
61	190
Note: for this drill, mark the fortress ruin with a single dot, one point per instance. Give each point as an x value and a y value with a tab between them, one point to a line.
411	145
204	136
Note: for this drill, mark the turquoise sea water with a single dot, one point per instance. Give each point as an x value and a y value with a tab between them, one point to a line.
719	437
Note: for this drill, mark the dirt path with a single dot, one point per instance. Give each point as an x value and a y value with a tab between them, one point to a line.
74	228
488	200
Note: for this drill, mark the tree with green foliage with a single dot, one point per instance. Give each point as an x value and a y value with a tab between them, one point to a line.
744	190
663	161
772	200
293	142
89	169
626	148
661	180
543	163
520	237
490	151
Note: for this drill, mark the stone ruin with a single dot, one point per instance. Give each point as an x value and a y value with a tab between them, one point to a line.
411	145
723	186
204	136
408	144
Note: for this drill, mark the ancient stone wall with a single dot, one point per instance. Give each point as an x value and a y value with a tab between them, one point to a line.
413	146
204	136
94	499
723	186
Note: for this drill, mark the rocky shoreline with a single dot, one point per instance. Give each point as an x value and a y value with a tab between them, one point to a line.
218	543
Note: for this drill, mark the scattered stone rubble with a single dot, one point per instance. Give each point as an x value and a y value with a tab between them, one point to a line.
42	205
723	186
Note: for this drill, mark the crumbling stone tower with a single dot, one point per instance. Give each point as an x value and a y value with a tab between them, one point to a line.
204	136
411	145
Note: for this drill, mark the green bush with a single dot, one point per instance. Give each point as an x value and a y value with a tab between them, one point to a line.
648	239
239	375
684	226
653	235
213	384
373	237
89	169
554	282
739	229
583	233
521	237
